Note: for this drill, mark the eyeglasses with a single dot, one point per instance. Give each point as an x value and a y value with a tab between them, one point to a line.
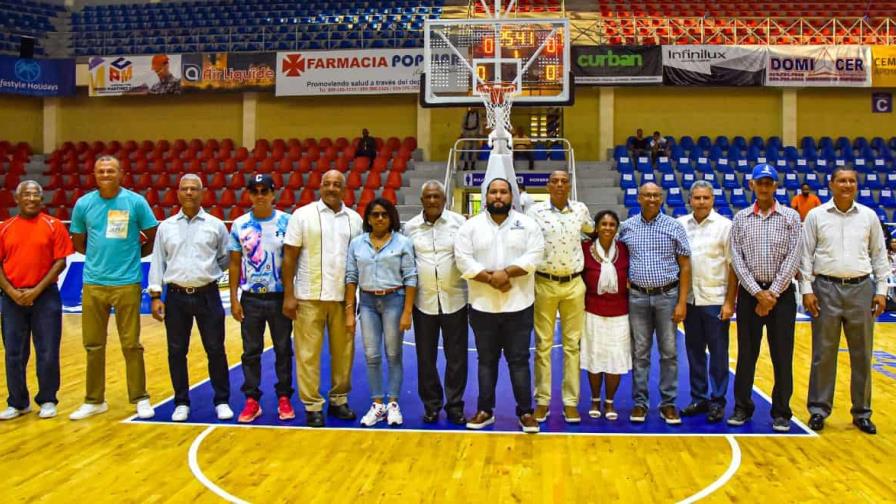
379	215
264	191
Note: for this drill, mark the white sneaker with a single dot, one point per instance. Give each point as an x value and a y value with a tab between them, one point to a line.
376	414
47	410
10	412
393	413
145	409
181	413
88	410
224	412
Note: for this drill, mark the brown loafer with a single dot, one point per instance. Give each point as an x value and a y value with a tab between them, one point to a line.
541	413
480	420
529	424
639	414
571	415
670	415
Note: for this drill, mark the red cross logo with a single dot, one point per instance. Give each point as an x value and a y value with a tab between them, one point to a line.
293	65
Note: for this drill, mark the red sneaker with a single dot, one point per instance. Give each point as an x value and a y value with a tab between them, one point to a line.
284	408
251	411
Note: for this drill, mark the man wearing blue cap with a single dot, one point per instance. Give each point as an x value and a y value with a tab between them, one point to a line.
765	250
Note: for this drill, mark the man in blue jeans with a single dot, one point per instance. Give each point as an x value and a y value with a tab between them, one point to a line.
710	304
33	248
659	279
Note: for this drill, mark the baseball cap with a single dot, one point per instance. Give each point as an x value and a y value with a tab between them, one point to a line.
263	179
764	170
158	60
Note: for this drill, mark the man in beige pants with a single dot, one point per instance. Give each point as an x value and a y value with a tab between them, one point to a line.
559	287
314	254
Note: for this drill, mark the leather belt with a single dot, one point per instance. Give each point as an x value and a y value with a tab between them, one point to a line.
383	292
179	289
841	281
561	279
655	290
263	295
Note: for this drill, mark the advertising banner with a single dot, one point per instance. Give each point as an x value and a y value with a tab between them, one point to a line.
617	65
819	66
37	77
713	65
134	75
883	66
228	72
372	71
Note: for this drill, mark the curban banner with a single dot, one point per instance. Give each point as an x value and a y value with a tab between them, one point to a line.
617	65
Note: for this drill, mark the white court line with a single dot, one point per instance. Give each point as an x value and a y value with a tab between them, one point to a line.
193	460
723	479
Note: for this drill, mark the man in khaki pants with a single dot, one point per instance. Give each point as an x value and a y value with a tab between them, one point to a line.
559	287
106	227
314	254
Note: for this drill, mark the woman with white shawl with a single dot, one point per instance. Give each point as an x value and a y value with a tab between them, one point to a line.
606	344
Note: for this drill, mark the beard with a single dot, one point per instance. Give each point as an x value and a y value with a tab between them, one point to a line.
495	210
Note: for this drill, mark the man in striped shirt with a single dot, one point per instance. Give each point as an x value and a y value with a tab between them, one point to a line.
765	251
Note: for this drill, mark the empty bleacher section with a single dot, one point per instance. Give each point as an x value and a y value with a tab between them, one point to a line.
727	163
257	25
154	168
33	19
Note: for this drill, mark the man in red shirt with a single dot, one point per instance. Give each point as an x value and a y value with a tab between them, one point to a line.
33	248
804	201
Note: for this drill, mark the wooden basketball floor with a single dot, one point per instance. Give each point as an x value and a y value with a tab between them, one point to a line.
104	460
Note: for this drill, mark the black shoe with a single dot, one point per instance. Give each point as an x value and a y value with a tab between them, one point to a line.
865	425
716	413
457	417
816	422
695	408
341	411
739	418
314	418
430	416
781	424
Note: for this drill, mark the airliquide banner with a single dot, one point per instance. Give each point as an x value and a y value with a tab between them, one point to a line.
819	66
134	75
714	65
229	72
37	77
883	66
617	65
372	71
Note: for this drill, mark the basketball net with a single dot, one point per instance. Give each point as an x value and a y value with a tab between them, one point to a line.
498	99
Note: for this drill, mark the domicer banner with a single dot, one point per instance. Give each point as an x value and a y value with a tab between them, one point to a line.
819	66
617	65
372	71
712	65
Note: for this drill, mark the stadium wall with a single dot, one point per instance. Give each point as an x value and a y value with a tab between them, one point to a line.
21	120
841	112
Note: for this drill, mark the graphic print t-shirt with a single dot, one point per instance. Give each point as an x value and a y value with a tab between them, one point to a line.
261	243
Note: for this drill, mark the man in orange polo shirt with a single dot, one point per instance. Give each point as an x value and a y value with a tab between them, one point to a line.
804	201
33	248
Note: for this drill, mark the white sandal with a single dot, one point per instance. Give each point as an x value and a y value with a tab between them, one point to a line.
611	415
594	412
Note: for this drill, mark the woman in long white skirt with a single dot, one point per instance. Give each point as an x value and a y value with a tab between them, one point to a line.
606	345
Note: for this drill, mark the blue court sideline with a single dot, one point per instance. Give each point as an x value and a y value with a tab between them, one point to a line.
202	411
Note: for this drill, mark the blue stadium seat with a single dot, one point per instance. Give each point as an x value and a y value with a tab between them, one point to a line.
668	181
807	142
647	177
627	181
886	198
723	165
791	182
679	211
862	166
725	211
824	194
643	164
624	165
620	151
866	198
557	152
674	197
801	165
881	214
684	165
633	211
739	198
687	180
743	166
703	165
664	165
729	181
711	178
811	178
872	181
631	197
782	196
739	142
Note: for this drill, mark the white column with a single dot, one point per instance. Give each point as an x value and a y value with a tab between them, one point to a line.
50	124
789	120
424	131
606	122
250	105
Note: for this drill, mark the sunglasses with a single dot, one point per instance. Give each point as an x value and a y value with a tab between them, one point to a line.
379	215
264	191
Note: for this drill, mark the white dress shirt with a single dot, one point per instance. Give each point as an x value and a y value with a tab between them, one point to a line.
188	252
844	245
439	282
710	257
323	237
482	244
562	230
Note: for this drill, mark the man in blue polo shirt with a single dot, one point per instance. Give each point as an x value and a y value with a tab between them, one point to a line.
659	279
113	227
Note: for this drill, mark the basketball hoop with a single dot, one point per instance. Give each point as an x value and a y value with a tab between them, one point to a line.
498	98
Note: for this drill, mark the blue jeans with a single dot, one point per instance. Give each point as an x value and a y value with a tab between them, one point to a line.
648	313
43	322
704	330
380	317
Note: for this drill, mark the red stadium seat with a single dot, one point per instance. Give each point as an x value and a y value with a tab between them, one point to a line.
152	196
245	201
217	182
374	181
285	165
227	199
393	180
295	181
162	182
304	165
169	199
367	195
342	164
306	197
208	198
353	180
62	213
360	164
313	180
349	198
341	143
234	213
287	199
325	142
143	182
390	195
158	212
216	211
236	181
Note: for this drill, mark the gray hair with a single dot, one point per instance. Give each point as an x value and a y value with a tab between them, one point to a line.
438	185
701	184
192	176
25	183
107	157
